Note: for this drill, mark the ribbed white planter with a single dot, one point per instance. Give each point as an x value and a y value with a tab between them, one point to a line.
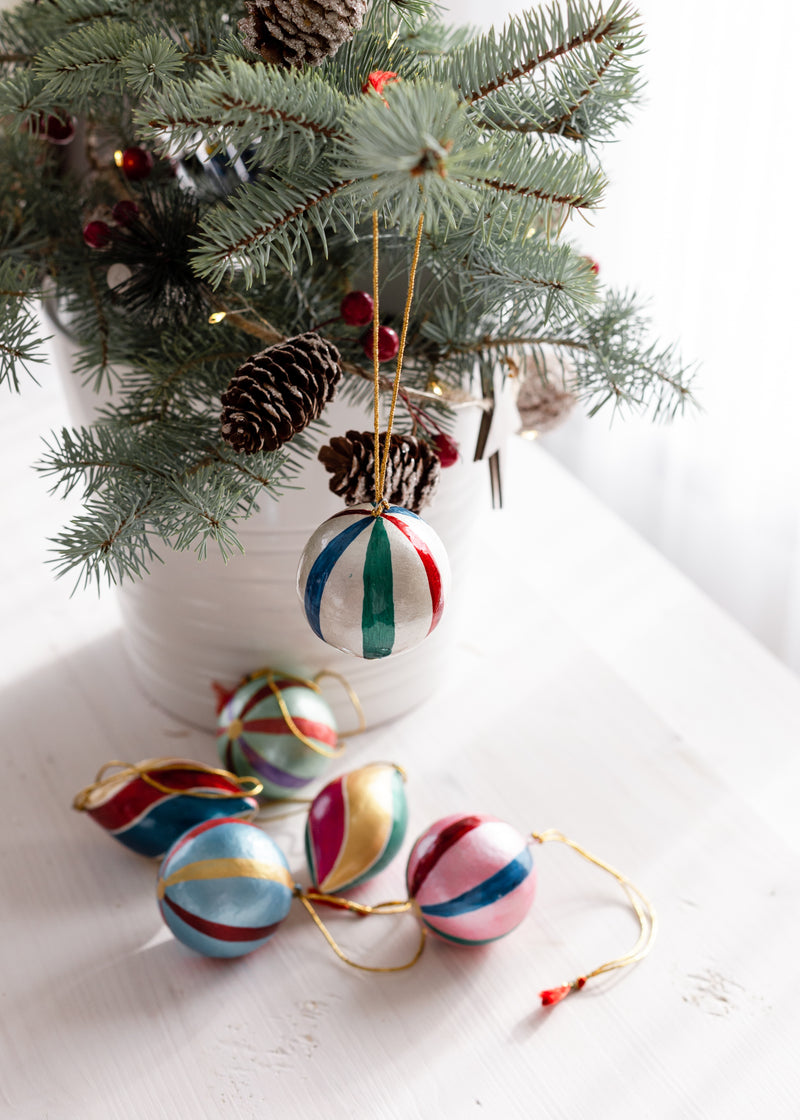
191	622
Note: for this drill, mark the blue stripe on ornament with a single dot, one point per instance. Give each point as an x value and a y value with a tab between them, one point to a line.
402	509
464	940
503	882
322	568
153	832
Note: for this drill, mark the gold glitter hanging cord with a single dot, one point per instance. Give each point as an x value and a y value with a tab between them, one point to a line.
642	908
248	787
382	461
309	897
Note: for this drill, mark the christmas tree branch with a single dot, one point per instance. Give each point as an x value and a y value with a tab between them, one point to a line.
594	34
239	102
87	61
19	342
573	201
487	343
102	322
562	124
492	62
241	238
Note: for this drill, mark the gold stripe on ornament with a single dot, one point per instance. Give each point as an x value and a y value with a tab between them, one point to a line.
207	869
368	825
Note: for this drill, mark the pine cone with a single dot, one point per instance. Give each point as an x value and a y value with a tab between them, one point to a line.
300	32
276	393
412	472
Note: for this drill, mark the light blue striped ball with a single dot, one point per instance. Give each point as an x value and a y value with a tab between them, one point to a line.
373	585
224	888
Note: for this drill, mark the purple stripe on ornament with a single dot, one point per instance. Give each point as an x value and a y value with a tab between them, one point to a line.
267	770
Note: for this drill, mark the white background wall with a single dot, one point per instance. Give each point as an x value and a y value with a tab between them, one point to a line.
701	217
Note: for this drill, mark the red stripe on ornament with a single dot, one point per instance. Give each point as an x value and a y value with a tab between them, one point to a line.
127	803
443	842
326	828
309	727
430	566
137	796
217	929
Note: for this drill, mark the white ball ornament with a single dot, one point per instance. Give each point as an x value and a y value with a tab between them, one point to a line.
373	584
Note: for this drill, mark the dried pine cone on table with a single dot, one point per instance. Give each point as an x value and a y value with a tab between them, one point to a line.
277	392
412	470
300	32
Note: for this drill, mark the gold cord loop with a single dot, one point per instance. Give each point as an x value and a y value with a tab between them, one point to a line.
382	460
295	730
248	786
306	898
642	908
351	696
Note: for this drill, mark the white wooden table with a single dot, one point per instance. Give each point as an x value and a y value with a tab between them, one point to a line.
595	691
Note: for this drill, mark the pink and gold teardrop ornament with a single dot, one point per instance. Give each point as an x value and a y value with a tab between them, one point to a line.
356	826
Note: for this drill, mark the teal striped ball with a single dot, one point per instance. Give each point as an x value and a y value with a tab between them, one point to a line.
254	738
373	585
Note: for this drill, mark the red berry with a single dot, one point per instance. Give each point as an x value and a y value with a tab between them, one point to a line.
388	344
446	449
136	163
592	263
125	211
59	130
357	309
377	80
97	234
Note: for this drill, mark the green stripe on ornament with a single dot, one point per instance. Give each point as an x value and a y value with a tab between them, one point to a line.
377	612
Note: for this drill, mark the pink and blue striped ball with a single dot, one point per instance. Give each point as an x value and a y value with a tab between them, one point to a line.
147	819
224	887
254	738
472	878
356	825
373	585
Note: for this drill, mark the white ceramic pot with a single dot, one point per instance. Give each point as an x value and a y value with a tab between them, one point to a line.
192	622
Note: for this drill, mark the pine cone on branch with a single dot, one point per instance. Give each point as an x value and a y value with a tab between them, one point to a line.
412	470
277	392
543	400
300	32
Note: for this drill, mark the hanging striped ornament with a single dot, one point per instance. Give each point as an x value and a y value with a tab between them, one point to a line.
224	887
472	878
149	805
373	585
255	738
355	826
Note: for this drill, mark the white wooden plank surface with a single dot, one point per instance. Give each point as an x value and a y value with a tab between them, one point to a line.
594	690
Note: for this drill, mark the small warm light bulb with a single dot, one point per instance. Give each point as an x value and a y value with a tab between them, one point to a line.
529	433
217	316
118	157
436	389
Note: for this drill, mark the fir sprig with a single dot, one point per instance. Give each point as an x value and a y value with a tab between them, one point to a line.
20	346
241	105
174	481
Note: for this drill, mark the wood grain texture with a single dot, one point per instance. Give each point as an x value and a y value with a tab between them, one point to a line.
593	690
